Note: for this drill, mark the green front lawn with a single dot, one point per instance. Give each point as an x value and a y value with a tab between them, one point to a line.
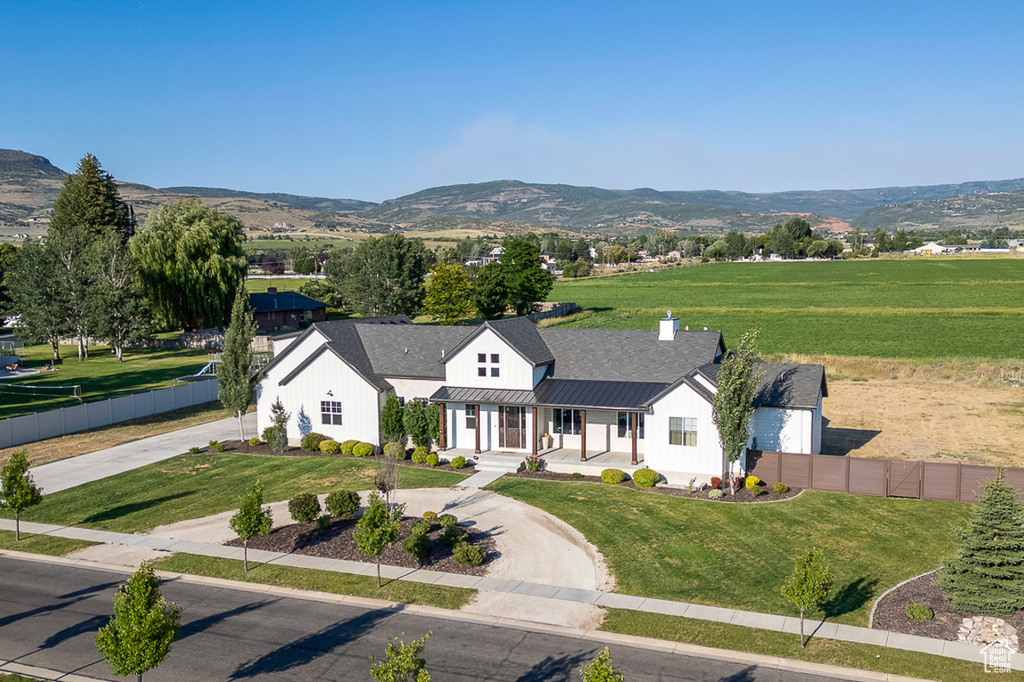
194	486
41	544
101	376
739	555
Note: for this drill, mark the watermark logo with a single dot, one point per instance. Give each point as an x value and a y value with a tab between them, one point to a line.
997	656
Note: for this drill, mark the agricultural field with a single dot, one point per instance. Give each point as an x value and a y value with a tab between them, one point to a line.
885	308
255	285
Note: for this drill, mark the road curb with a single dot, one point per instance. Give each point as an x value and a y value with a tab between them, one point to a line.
597	636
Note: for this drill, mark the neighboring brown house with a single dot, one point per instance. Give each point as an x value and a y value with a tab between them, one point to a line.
285	309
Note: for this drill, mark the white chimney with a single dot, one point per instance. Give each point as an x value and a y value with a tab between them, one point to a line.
667	327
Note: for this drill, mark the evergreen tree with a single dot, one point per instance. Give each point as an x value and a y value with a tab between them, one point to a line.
987	573
235	372
450	297
279	431
733	403
402	663
415	422
139	635
90	202
809	585
392	421
8	255
191	263
251	519
377	528
37	298
382	276
18	491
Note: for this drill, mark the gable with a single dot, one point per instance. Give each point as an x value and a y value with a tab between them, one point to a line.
463	368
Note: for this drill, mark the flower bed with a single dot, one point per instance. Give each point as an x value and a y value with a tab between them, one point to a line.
243	447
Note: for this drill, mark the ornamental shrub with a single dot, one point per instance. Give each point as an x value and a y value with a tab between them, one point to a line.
755	490
419	455
417	544
330	447
468	555
432	459
919	612
323	522
267	434
421	527
342	503
715	494
311	442
447	520
304	508
395	451
577	475
645	478
752	481
193	450
347	446
781	487
362	449
253	442
458	463
534	463
216	446
453	535
430	516
613	476
716	482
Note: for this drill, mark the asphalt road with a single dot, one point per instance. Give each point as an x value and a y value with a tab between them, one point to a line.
49	615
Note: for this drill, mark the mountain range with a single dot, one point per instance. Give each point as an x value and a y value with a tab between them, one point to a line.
29	184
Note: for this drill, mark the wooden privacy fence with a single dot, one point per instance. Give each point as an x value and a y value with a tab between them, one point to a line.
942	481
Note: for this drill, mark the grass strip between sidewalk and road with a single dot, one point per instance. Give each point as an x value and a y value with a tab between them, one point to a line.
319	581
770	643
42	544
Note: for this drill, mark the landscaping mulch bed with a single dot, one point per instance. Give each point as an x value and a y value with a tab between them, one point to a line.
890	614
337	541
768	494
243	447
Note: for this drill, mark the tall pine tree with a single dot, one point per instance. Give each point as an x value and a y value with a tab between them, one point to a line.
234	374
90	201
987	573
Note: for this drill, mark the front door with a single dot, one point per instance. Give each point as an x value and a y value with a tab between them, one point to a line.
511	427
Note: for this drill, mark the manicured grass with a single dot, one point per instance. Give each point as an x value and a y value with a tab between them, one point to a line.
320	581
100	377
768	643
15	678
72	445
739	555
912	308
41	544
281	283
194	486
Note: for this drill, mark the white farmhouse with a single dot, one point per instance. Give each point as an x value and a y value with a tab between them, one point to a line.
509	387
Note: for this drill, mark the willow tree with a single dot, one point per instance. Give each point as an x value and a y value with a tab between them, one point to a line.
733	404
191	262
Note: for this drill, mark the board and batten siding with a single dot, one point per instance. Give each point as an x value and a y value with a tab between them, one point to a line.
787	430
359	400
602	433
679	463
513	371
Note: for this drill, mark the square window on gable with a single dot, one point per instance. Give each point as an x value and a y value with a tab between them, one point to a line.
494	371
494	357
481	357
481	371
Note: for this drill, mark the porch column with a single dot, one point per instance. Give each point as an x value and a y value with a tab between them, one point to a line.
442	434
479	418
633	417
534	409
583	435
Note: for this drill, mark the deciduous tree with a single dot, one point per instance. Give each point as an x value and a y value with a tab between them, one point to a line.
526	281
402	662
377	528
235	373
119	313
18	491
601	669
251	519
37	298
809	585
382	276
450	297
733	403
491	291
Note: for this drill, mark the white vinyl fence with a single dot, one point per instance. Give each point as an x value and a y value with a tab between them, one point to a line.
41	425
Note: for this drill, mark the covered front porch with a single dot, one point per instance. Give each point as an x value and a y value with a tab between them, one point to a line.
560	460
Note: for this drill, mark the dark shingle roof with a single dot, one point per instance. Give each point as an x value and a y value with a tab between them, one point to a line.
628	354
343	338
408	350
522	334
783	385
283	300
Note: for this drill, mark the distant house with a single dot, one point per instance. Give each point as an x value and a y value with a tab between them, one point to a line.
285	310
931	249
494	255
1016	245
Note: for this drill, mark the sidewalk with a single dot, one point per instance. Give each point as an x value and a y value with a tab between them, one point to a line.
67	473
761	621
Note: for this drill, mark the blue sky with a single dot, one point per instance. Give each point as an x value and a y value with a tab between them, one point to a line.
375	100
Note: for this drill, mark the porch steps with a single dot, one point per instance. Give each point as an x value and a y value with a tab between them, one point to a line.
493	461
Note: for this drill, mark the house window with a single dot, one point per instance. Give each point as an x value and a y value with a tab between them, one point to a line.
494	371
471	417
568	422
682	431
690	431
675	431
494	357
625	425
481	371
481	357
330	412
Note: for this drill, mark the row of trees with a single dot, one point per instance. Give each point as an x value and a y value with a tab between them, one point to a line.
98	276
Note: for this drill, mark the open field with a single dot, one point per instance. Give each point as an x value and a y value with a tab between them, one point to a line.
100	377
739	555
256	285
194	486
889	308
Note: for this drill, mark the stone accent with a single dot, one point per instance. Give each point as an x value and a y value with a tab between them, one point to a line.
984	630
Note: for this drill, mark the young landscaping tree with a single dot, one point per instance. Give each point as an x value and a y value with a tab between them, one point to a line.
810	584
415	420
733	403
377	528
987	573
402	663
279	431
392	420
251	519
601	670
433	416
450	297
235	373
17	490
139	635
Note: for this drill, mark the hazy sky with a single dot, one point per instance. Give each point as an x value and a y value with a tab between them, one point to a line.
373	100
